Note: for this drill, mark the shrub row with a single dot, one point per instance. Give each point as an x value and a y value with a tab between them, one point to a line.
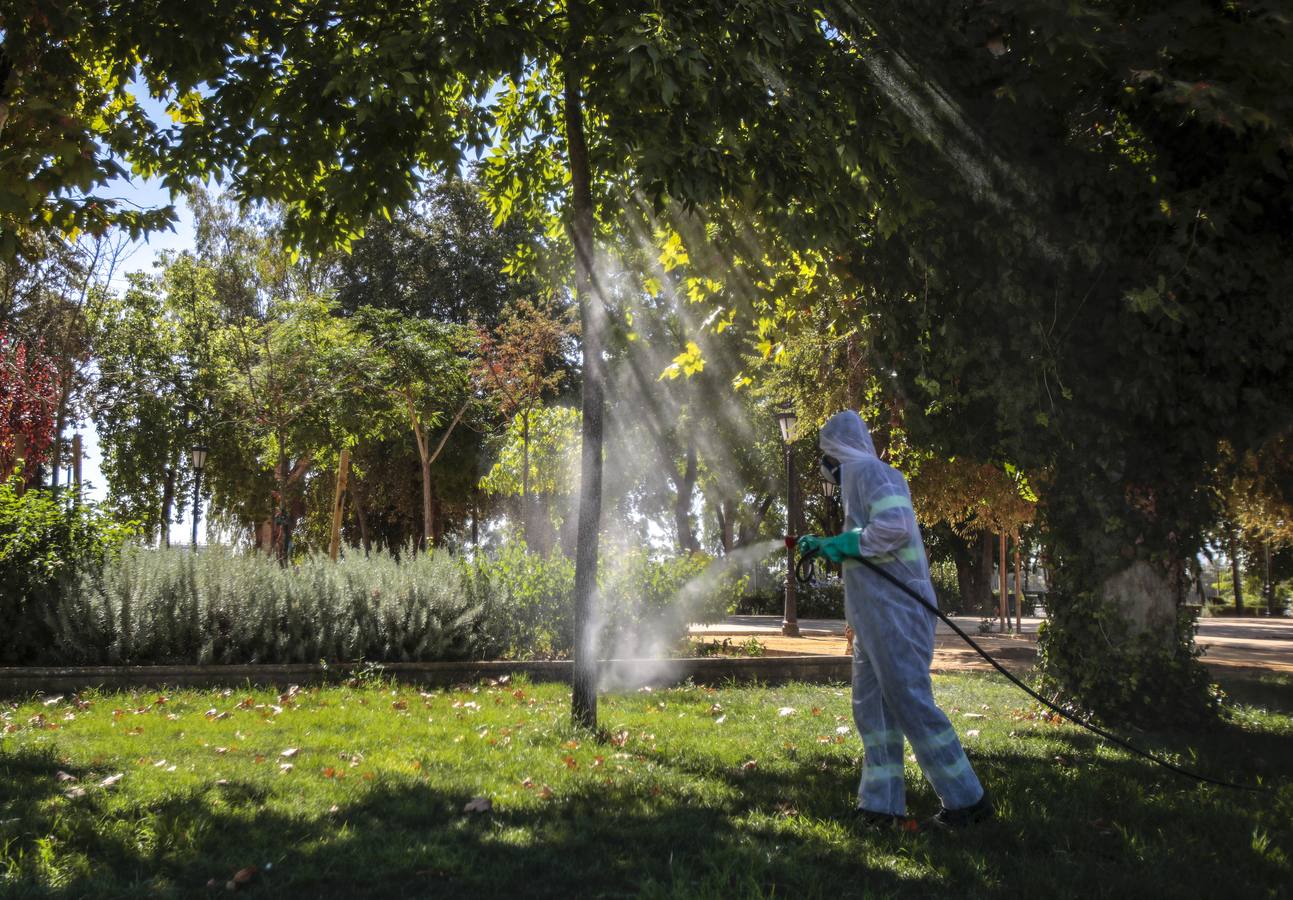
74	591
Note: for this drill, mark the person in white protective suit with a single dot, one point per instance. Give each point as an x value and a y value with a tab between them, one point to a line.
894	637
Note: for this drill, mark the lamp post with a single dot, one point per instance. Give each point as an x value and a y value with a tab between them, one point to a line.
199	455
786	420
829	491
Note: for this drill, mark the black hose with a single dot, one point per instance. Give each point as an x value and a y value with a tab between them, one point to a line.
803	574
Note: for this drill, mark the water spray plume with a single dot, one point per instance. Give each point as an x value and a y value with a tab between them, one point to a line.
643	658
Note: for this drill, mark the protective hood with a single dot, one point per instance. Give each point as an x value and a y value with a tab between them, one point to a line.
845	437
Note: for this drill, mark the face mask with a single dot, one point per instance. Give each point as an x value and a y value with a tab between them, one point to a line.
830	468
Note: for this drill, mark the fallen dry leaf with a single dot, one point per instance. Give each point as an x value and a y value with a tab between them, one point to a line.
973	732
62	776
74	793
786	711
478	805
289	752
749	765
400	704
285	767
570	762
112	780
241	878
974	715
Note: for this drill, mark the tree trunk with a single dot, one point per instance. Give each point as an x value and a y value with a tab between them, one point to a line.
1235	573
168	500
280	516
591	315
747	533
1268	585
475	518
428	513
525	475
973	559
56	448
725	525
685	487
437	519
361	514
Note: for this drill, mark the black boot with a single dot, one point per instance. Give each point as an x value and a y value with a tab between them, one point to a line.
878	821
948	819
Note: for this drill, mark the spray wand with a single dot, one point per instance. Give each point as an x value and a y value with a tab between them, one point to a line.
805	568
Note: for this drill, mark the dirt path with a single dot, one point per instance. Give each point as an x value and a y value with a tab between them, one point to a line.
1257	645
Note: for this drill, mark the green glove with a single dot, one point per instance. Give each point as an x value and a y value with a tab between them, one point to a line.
836	548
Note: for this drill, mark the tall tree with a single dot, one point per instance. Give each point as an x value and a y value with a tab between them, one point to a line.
142	403
520	363
426	370
66	115
335	111
28	398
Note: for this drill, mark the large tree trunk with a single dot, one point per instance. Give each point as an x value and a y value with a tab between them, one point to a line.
1115	641
592	312
973	559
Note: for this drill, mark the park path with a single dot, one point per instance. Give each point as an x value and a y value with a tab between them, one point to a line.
1229	644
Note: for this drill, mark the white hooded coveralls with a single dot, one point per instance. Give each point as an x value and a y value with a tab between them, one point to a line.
894	643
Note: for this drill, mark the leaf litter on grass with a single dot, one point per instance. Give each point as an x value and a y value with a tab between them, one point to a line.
693	762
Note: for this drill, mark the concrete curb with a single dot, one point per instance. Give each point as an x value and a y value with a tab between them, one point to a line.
617	674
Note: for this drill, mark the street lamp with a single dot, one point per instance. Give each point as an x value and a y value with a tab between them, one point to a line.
199	454
786	419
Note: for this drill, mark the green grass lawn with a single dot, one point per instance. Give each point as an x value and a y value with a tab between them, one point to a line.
360	792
